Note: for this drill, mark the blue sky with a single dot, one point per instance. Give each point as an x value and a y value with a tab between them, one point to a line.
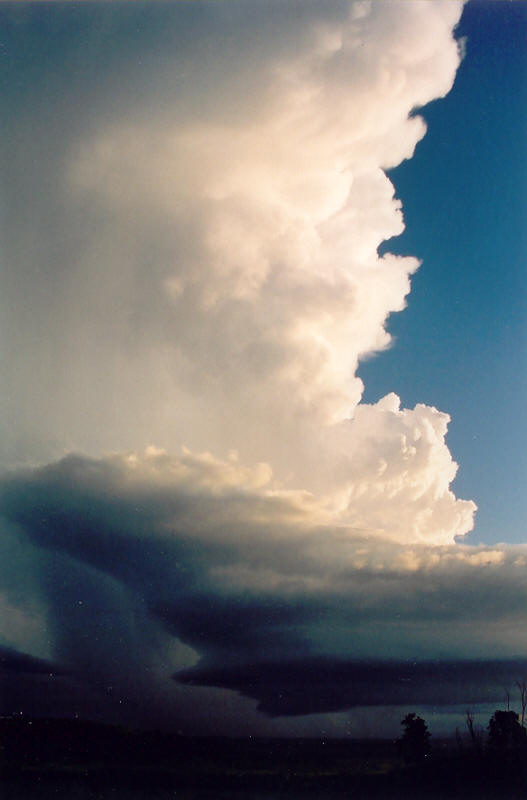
462	342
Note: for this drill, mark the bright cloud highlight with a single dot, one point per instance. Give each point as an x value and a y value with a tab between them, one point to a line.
269	217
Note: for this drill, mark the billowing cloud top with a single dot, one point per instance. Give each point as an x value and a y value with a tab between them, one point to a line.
210	274
199	266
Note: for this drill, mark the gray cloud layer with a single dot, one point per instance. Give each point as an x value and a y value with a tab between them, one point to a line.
160	565
312	686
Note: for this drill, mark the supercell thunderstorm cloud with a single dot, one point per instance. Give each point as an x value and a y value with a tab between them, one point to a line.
202	525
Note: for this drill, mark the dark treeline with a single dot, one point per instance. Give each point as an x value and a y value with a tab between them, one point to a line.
487	763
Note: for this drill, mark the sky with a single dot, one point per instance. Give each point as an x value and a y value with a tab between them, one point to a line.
262	425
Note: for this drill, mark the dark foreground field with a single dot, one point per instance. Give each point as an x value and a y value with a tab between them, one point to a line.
45	759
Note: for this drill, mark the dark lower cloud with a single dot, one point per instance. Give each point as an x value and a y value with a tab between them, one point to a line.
150	567
21	663
39	687
319	685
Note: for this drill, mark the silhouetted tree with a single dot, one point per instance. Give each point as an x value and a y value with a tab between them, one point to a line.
475	735
414	744
505	731
522	686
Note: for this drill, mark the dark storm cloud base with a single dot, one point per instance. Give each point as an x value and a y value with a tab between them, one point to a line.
308	686
320	685
22	663
134	563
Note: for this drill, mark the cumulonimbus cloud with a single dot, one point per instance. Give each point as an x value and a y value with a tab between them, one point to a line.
218	285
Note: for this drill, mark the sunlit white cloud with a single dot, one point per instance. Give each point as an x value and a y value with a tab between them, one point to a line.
269	217
264	221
